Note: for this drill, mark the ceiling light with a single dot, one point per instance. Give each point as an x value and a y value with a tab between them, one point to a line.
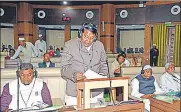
65	2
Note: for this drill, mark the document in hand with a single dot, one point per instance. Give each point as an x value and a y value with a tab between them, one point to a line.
92	75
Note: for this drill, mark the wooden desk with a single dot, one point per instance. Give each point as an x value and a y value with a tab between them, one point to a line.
121	108
161	106
89	84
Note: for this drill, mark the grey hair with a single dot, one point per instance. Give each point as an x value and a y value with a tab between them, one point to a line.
26	66
167	65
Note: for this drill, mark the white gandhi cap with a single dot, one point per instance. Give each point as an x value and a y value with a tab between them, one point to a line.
21	38
40	35
146	67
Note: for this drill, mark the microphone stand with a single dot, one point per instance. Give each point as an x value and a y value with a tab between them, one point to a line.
110	88
17	74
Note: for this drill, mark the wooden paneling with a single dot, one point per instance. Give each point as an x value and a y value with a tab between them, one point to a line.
68	7
25	28
161	106
161	2
107	34
108	43
147	41
24	25
54	16
16	36
35	33
24	12
127	6
67	33
139	107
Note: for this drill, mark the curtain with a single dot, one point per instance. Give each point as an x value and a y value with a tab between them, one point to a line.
159	38
177	45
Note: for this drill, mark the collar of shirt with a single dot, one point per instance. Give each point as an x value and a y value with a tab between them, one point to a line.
48	64
88	48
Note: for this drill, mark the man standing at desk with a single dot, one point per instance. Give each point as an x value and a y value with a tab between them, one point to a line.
80	55
27	48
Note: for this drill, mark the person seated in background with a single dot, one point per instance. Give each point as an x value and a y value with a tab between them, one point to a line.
33	91
4	49
9	47
46	62
116	70
11	53
145	86
118	63
50	47
57	52
170	81
61	49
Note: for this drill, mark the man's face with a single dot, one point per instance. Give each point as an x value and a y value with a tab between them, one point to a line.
41	38
26	76
147	73
11	53
171	69
87	38
46	58
121	59
22	42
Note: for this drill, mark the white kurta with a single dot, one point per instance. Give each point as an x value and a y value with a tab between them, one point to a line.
42	46
33	91
115	65
29	51
135	92
169	82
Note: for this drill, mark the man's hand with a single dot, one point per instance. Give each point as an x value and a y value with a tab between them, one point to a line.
117	70
79	76
147	96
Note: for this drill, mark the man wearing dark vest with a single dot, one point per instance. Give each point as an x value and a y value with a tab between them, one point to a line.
145	86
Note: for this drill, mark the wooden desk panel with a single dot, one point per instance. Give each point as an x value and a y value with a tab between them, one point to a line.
88	84
161	106
121	108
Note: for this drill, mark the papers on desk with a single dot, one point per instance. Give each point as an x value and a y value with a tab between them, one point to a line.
92	75
32	109
165	98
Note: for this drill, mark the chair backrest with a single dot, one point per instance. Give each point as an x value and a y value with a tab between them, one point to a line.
11	63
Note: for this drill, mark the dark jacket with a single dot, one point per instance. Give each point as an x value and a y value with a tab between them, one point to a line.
43	64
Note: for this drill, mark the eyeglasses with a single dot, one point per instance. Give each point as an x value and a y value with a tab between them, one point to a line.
26	75
87	37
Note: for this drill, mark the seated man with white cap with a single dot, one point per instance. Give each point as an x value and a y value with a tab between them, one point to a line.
145	86
170	81
40	44
27	48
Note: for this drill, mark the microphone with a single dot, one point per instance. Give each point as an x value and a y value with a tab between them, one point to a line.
110	88
176	79
18	75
